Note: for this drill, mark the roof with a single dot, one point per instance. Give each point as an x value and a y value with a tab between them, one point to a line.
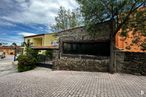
8	47
70	29
39	35
45	47
108	21
34	35
65	30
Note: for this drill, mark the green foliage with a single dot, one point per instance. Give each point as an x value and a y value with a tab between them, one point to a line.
27	44
67	19
3	44
31	52
28	60
49	53
120	11
14	44
26	63
137	21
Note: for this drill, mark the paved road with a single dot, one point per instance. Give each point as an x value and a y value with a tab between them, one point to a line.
6	66
43	82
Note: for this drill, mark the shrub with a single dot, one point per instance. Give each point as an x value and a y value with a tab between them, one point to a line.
49	53
26	63
31	52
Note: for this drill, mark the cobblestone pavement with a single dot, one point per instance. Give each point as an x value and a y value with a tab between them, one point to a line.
6	66
43	82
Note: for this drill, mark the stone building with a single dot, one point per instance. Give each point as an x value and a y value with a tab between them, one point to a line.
77	50
80	51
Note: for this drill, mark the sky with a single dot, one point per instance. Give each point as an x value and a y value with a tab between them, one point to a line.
19	18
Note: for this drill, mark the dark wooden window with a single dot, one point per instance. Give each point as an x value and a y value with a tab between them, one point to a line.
87	48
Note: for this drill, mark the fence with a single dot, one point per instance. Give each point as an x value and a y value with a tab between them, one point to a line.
44	61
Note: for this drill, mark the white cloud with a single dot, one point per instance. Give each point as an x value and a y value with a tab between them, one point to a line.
26	34
39	11
2	23
11	39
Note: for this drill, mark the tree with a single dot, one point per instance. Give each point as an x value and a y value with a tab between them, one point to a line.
27	44
1	44
29	51
67	19
117	11
14	44
29	59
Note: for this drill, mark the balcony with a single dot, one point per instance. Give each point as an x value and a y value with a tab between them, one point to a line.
37	42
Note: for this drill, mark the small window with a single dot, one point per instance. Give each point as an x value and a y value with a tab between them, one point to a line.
87	48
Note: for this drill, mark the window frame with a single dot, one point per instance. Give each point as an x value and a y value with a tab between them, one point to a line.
83	55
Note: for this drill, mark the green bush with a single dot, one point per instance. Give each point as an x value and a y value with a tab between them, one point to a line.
26	63
31	52
49	53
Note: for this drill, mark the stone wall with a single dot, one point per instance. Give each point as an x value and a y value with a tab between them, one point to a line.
131	62
55	54
80	34
82	62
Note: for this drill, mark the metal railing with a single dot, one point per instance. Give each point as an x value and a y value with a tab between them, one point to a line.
44	61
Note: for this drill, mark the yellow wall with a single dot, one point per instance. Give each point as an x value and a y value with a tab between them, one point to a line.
49	38
45	40
37	41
